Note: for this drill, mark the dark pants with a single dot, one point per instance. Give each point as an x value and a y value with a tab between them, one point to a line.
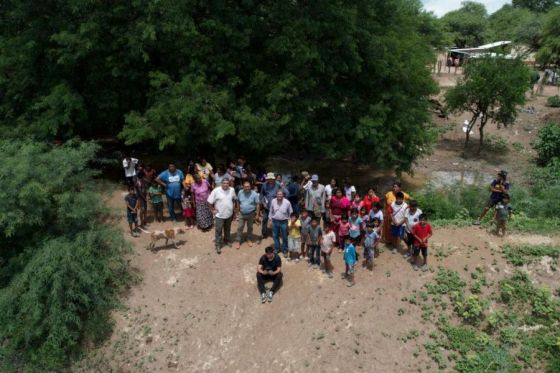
315	254
280	230
223	231
276	282
249	219
171	207
264	229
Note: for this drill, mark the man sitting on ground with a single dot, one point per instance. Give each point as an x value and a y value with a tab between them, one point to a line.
269	269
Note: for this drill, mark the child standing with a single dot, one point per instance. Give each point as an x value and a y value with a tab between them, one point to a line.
343	229
412	217
502	215
421	232
355	227
356	203
398	218
132	207
350	261
294	237
188	207
327	246
156	197
376	213
305	221
314	242
371	239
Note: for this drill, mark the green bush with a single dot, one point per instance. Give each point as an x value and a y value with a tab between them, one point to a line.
61	266
547	143
495	144
553	101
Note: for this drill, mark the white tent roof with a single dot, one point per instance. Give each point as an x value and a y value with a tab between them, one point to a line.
482	48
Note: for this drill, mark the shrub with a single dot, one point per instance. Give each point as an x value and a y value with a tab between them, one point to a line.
547	143
553	101
61	266
495	144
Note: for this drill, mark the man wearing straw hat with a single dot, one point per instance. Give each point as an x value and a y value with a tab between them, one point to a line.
268	193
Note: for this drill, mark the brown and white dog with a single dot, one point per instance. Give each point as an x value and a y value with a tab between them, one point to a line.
168	234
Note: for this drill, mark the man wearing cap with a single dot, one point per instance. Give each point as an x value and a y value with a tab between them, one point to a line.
268	193
498	188
315	197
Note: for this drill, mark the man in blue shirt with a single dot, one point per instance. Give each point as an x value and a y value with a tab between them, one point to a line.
268	193
248	205
172	180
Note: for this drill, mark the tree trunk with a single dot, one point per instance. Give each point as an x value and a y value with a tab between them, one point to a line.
481	132
469	128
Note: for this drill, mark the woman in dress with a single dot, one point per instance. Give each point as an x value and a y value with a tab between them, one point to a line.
201	190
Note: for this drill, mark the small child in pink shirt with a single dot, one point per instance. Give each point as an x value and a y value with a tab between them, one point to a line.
343	229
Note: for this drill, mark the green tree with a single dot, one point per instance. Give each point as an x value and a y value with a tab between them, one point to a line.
467	25
256	77
549	53
490	89
61	264
535	5
519	25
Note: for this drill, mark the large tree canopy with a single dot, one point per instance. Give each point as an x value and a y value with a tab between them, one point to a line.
535	5
335	78
519	25
549	53
467	25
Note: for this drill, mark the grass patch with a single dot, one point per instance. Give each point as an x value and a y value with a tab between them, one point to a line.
519	255
519	333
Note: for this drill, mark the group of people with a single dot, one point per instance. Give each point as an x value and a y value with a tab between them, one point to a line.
307	220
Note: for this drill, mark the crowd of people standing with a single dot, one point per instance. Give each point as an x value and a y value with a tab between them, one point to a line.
306	219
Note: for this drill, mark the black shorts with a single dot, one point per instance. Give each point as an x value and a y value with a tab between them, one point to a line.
409	239
417	250
492	202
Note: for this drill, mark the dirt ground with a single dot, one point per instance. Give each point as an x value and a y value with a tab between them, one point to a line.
197	311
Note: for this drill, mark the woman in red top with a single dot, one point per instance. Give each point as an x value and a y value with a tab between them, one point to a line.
370	199
339	206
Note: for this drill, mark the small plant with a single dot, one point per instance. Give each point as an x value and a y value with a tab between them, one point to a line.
525	254
553	101
471	309
496	144
446	281
518	146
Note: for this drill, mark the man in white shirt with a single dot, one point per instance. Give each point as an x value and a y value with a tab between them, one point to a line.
412	218
221	202
129	165
315	198
280	211
398	219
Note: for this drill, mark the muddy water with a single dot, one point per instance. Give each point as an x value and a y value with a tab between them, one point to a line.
440	179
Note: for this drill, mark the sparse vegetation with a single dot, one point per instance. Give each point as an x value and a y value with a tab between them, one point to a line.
519	333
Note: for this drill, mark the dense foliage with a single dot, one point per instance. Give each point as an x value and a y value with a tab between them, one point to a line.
467	25
60	264
333	78
518	25
547	144
490	89
549	53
